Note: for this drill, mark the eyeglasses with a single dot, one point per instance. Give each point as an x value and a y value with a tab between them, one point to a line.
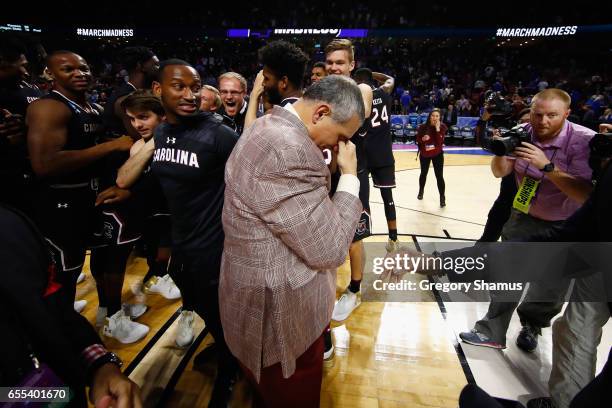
232	93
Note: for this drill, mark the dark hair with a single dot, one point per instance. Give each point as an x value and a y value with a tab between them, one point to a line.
523	112
285	59
142	101
130	57
428	123
169	62
363	76
319	64
10	49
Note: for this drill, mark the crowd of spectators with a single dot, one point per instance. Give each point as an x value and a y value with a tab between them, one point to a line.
452	75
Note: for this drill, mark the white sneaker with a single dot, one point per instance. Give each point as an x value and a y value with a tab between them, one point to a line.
164	286
101	317
122	328
79	305
81	278
134	310
328	354
392	246
345	306
184	331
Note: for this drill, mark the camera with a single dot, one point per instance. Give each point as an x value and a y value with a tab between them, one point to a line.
600	147
497	106
509	141
500	112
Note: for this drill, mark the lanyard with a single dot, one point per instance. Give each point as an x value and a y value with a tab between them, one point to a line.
529	187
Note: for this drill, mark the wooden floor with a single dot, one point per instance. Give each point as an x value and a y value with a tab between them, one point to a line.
395	354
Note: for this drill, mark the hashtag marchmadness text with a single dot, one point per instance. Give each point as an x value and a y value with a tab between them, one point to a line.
536	32
97	32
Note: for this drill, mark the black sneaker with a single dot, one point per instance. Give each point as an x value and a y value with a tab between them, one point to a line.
527	339
545	402
442	202
420	196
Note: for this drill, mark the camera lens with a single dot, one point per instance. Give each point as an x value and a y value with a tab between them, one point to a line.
501	147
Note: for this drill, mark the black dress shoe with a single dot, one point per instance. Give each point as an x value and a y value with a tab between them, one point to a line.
222	391
206	355
544	402
527	339
420	196
442	202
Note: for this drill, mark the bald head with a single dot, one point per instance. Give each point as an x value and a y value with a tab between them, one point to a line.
69	71
57	56
170	65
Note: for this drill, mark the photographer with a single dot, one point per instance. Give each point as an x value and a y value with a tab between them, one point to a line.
497	117
500	211
576	334
553	176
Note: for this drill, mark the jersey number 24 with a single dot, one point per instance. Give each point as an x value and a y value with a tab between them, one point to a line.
383	116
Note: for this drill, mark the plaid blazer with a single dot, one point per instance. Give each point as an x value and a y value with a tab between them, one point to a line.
284	239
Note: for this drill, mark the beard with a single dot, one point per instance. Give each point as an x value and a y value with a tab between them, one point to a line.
274	96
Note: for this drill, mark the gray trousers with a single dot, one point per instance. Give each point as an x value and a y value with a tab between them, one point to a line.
537	314
576	336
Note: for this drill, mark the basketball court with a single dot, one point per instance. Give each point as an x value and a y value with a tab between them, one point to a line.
393	354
